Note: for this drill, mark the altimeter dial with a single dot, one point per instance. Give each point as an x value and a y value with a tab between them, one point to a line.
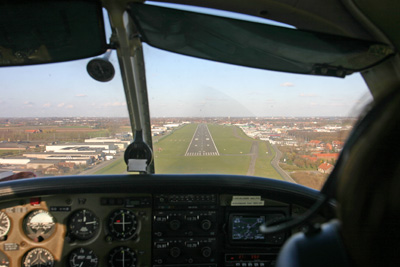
83	224
5	224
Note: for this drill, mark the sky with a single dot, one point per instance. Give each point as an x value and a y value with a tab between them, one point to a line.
178	86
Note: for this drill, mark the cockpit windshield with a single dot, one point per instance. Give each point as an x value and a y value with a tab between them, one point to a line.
206	117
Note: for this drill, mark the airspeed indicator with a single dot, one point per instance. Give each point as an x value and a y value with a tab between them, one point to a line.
5	224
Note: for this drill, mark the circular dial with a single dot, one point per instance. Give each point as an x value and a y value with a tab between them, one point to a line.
122	224
39	225
38	257
83	257
4	261
122	257
83	224
5	224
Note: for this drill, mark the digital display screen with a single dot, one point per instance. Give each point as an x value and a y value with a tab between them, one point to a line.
245	228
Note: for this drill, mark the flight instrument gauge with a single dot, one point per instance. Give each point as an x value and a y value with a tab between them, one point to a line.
4	261
83	257
122	224
38	257
122	257
39	225
83	224
5	224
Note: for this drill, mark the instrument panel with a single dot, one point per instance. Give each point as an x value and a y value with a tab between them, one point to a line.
76	230
140	230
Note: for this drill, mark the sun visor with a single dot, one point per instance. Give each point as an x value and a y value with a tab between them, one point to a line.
34	32
254	44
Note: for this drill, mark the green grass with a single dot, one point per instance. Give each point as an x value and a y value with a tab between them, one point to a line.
227	141
203	164
176	143
4	153
117	167
232	144
99	133
263	162
75	126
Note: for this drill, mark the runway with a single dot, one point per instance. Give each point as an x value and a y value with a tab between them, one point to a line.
202	143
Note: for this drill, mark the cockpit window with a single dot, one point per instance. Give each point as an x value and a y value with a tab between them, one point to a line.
206	117
210	117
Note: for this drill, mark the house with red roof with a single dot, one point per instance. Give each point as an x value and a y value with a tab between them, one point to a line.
325	168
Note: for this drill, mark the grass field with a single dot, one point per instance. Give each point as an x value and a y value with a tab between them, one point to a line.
233	145
263	166
4	153
230	139
117	167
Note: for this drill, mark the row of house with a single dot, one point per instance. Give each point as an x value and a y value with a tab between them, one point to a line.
64	157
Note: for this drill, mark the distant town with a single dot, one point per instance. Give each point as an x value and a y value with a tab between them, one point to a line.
70	146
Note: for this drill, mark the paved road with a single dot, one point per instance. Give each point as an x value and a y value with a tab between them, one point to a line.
202	143
100	166
275	164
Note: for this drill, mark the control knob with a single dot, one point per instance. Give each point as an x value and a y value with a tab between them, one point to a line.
206	225
174	225
206	252
175	252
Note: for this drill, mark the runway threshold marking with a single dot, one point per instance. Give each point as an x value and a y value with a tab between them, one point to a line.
191	141
202	135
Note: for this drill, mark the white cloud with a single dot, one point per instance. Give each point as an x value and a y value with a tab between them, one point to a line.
287	84
61	105
47	105
70	106
81	95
